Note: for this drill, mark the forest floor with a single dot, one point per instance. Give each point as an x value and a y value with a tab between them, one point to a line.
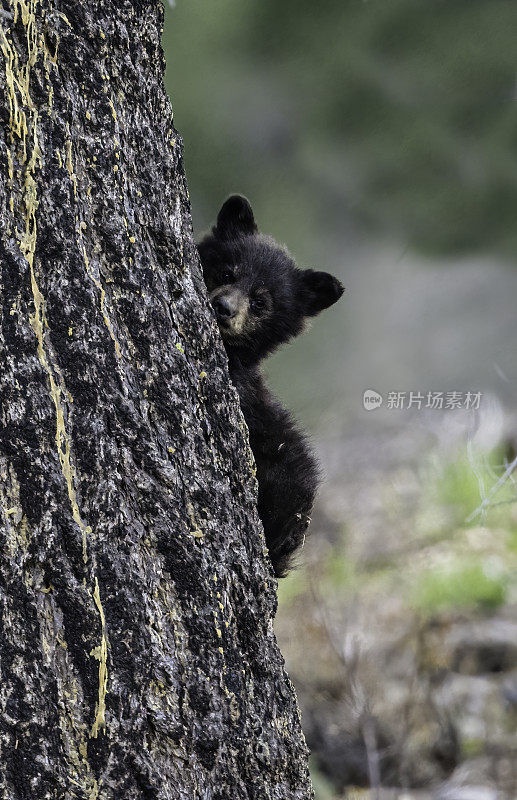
399	628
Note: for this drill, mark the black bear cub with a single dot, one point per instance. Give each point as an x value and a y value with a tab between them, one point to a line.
261	299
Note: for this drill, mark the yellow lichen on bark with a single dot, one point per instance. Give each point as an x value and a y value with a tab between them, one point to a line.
23	130
23	126
100	653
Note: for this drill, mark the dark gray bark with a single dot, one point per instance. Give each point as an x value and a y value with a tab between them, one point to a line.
137	655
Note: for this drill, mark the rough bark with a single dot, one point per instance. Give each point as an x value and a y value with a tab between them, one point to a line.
137	655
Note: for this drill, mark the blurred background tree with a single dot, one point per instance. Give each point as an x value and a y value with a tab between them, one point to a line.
392	116
373	137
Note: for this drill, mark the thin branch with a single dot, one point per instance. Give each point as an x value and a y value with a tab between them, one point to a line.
495	488
372	754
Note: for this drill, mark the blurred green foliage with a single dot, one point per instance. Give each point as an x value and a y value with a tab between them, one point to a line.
379	117
337	575
323	789
460	566
470	578
460	485
462	584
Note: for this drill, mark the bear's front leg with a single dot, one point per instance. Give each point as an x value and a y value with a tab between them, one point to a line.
287	487
287	472
287	476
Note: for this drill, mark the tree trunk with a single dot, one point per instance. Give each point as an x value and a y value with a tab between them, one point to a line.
137	656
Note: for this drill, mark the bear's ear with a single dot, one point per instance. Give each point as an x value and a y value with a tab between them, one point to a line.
318	290
235	218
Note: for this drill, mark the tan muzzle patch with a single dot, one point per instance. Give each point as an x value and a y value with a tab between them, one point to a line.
238	307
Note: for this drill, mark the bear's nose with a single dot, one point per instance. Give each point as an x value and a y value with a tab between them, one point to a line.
224	308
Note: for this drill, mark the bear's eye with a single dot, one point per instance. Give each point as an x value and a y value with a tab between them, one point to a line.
227	276
258	302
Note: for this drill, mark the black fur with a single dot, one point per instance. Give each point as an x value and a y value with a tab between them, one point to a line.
261	299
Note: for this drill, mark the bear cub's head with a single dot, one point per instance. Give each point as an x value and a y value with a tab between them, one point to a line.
260	298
